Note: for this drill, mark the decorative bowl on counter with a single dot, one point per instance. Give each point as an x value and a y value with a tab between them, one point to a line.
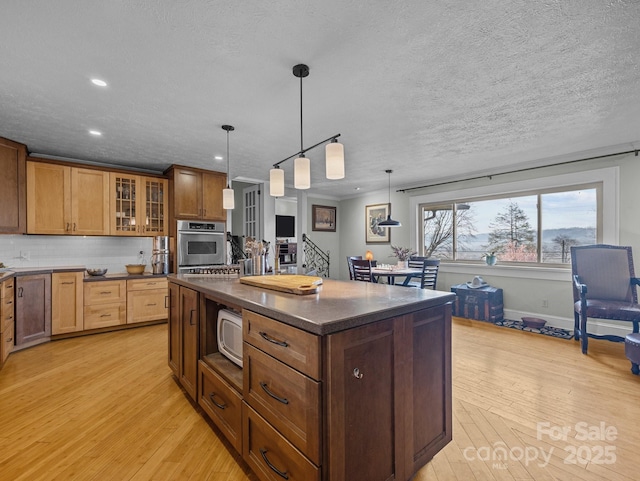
135	268
96	272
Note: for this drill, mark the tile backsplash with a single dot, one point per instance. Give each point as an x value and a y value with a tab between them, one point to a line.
90	251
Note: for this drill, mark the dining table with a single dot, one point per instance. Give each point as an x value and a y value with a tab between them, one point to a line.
392	271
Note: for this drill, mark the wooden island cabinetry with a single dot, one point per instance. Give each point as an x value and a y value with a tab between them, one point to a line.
66	200
13	214
345	391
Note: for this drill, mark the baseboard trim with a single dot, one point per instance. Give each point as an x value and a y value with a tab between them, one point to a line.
599	327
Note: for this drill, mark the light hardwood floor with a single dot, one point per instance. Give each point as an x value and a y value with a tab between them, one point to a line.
105	407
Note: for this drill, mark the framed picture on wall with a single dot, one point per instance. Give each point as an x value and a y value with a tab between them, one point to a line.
323	218
374	214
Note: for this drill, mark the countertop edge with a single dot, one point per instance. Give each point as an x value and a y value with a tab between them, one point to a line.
341	324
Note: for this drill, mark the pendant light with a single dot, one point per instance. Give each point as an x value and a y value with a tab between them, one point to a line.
389	222
228	199
334	155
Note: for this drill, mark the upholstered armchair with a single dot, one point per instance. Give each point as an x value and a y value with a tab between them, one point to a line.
604	287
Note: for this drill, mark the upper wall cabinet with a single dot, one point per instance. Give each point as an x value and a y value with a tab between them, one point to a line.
138	205
197	194
13	219
66	200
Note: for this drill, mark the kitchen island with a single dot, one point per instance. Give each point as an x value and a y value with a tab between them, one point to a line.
350	383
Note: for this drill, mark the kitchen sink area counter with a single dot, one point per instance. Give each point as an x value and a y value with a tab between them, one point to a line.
352	382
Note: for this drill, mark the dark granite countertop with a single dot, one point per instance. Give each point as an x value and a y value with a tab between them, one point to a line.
8	273
338	305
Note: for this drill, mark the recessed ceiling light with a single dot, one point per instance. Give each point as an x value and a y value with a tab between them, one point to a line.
218	157
98	82
357	188
97	133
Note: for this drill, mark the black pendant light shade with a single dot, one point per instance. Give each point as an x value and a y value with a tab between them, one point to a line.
389	222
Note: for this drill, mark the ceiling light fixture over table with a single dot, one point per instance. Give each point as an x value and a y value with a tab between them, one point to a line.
389	222
334	155
228	200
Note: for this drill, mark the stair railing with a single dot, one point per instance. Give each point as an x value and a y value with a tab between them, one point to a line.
315	259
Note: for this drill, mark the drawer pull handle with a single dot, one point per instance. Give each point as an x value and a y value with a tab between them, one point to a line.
191	317
10	339
66	283
212	395
264	387
105	292
105	315
166	302
20	291
357	374
9	303
149	305
266	337
283	474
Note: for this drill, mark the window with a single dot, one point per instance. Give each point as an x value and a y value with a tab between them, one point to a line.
526	228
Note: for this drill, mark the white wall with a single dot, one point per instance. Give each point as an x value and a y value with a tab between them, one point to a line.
524	288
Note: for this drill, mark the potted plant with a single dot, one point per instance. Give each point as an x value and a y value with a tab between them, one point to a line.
490	258
403	254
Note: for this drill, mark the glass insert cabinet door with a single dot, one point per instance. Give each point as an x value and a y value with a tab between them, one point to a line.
138	205
155	205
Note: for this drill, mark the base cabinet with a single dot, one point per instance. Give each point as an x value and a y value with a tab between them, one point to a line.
368	403
184	336
7	319
66	302
33	310
147	300
105	304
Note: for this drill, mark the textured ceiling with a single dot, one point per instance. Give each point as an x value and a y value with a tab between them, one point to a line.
434	90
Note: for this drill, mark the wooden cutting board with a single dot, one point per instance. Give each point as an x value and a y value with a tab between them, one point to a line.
292	283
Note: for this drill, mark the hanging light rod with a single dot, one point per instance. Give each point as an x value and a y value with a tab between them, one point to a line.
302	168
228	199
333	138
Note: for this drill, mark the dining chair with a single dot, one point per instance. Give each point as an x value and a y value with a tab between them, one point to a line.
349	259
362	270
604	287
429	274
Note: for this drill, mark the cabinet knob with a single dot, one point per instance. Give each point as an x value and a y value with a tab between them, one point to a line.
357	374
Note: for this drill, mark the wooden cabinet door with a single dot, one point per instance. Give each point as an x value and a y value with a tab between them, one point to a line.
360	437
212	185
48	198
125	204
175	328
156	210
66	302
187	194
427	406
13	214
189	315
33	309
89	201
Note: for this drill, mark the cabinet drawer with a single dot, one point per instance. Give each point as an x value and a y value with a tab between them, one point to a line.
104	315
7	340
7	317
288	399
7	289
143	284
293	346
147	305
270	455
222	403
104	292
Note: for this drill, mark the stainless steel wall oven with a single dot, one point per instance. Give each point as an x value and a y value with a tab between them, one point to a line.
200	244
